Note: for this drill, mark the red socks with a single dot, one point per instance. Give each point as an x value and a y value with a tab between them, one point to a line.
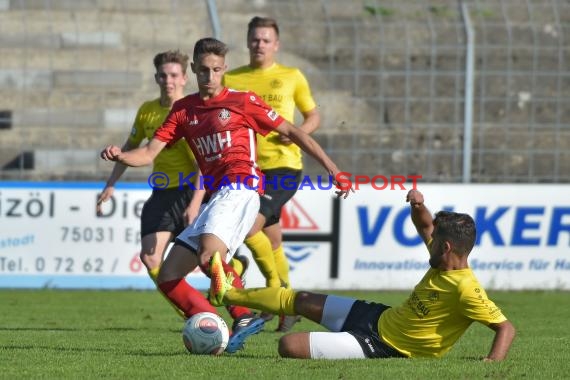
185	297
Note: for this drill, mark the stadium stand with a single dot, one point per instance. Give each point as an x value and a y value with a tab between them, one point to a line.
389	77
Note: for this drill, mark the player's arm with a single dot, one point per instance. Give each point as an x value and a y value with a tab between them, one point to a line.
311	122
309	145
306	104
142	156
504	335
421	217
118	170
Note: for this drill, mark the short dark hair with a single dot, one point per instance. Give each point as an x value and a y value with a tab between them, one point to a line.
458	229
262	22
209	46
171	56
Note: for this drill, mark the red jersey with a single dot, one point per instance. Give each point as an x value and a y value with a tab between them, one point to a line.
221	133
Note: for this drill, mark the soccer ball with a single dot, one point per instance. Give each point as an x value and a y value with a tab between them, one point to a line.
205	334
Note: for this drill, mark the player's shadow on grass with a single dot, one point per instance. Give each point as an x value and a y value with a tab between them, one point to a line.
138	352
80	329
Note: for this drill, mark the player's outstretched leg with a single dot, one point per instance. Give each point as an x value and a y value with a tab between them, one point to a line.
219	282
240	263
243	327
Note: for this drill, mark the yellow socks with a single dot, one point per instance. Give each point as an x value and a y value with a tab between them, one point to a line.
282	265
260	247
153	273
237	265
275	300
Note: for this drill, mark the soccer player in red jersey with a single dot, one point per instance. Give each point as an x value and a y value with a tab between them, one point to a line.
220	126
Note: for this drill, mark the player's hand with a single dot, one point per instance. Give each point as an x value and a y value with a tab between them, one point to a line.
344	190
105	195
415	198
285	140
111	153
190	214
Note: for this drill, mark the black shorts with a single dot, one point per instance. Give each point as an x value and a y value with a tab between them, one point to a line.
164	211
362	323
280	186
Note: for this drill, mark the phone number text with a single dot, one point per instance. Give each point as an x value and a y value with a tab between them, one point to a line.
64	265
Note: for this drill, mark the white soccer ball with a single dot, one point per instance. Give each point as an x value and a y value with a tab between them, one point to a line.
205	334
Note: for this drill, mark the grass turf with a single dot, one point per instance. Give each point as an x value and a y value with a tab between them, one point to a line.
136	334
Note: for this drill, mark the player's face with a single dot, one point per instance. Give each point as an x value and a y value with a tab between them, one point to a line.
171	80
209	70
262	44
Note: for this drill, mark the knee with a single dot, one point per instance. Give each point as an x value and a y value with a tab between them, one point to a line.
302	301
150	260
286	347
275	243
295	345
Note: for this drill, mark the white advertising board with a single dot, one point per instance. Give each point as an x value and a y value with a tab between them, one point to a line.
51	237
308	213
523	236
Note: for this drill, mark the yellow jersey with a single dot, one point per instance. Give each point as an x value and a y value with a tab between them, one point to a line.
283	88
440	309
174	160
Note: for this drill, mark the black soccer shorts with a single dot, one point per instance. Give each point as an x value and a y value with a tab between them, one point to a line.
164	211
280	186
362	323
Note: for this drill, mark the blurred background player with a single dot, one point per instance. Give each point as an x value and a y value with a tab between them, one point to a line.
439	310
168	210
283	88
220	126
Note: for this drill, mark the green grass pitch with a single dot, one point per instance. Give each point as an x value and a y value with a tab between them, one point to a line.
135	334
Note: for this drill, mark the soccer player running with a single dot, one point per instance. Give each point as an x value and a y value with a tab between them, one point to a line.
283	88
440	309
169	209
220	126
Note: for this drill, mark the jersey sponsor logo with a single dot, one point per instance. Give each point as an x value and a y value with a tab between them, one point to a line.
272	98
224	115
192	123
294	217
418	306
212	144
272	115
433	296
276	83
